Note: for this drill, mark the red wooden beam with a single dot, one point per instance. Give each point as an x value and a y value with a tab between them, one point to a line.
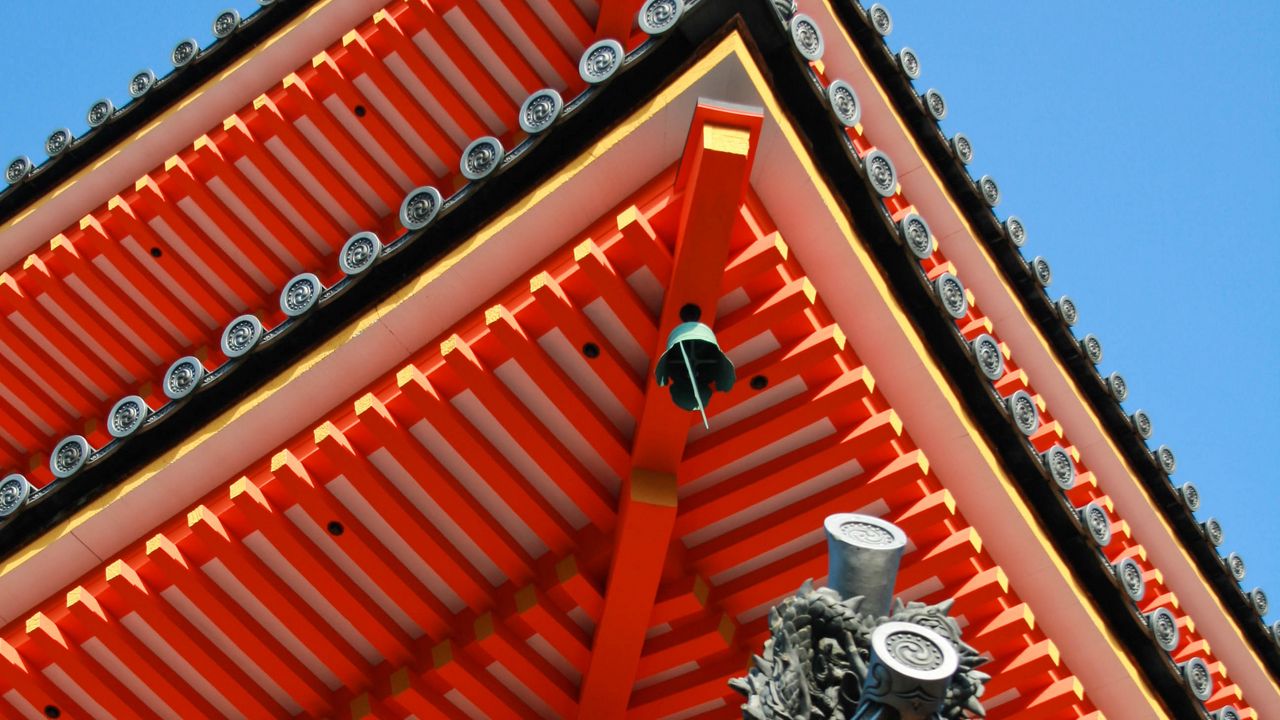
715	167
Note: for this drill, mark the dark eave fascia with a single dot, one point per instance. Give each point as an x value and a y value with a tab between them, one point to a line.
1045	315
168	91
792	81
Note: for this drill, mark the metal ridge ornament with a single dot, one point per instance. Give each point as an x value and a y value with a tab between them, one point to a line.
658	16
182	377
1235	564
1040	268
880	18
951	292
1094	519
241	335
833	654
1142	424
69	456
57	142
1165	628
99	113
540	110
226	23
184	52
1060	466
1213	531
963	147
990	190
1023	410
359	253
601	61
1165	458
300	294
990	360
806	36
844	103
936	105
1198	678
909	62
692	362
1190	496
126	416
1092	348
141	82
420	207
1258	599
916	234
881	173
17	169
481	158
1016	231
1129	573
14	490
1117	386
1067	310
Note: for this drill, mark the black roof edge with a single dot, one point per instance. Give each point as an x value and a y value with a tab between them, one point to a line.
167	92
1045	315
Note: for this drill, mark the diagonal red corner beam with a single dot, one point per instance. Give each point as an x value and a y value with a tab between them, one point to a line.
713	173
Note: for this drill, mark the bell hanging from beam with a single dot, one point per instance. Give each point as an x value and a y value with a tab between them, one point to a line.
692	362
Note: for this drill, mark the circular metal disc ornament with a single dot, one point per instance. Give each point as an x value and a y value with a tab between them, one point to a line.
951	292
1213	531
184	52
1130	575
600	61
241	335
990	190
14	490
880	170
1060	466
1040	268
540	110
1142	423
1167	461
182	377
1226	713
1275	631
1024	411
936	104
1092	347
1067	310
915	233
17	169
57	141
806	36
1094	518
658	16
1235	564
1196	672
300	294
844	103
481	158
226	23
69	456
1117	386
126	416
881	20
990	360
420	207
359	253
1190	496
1258	599
909	62
963	147
99	113
1016	231
914	651
141	82
1165	627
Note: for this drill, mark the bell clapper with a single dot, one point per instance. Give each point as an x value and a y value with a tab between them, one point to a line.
694	383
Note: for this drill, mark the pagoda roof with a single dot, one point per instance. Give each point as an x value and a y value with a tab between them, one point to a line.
422	268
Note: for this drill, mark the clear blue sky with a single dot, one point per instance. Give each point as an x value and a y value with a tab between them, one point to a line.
1138	141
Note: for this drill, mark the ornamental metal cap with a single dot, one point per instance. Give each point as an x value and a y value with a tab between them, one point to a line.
58	141
1258	599
359	253
420	207
863	554
1228	712
1235	564
1213	531
1198	678
910	669
1023	410
909	62
1164	456
1165	628
300	294
963	147
658	16
141	82
1190	496
600	61
880	19
126	416
1060	466
481	158
540	110
17	169
881	173
99	113
806	36
1016	231
14	490
241	335
226	23
1142	423
990	360
1067	310
844	103
182	377
1092	348
1117	386
990	190
1040	269
1275	631
951	292
69	456
916	235
1094	519
935	104
184	52
1129	573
